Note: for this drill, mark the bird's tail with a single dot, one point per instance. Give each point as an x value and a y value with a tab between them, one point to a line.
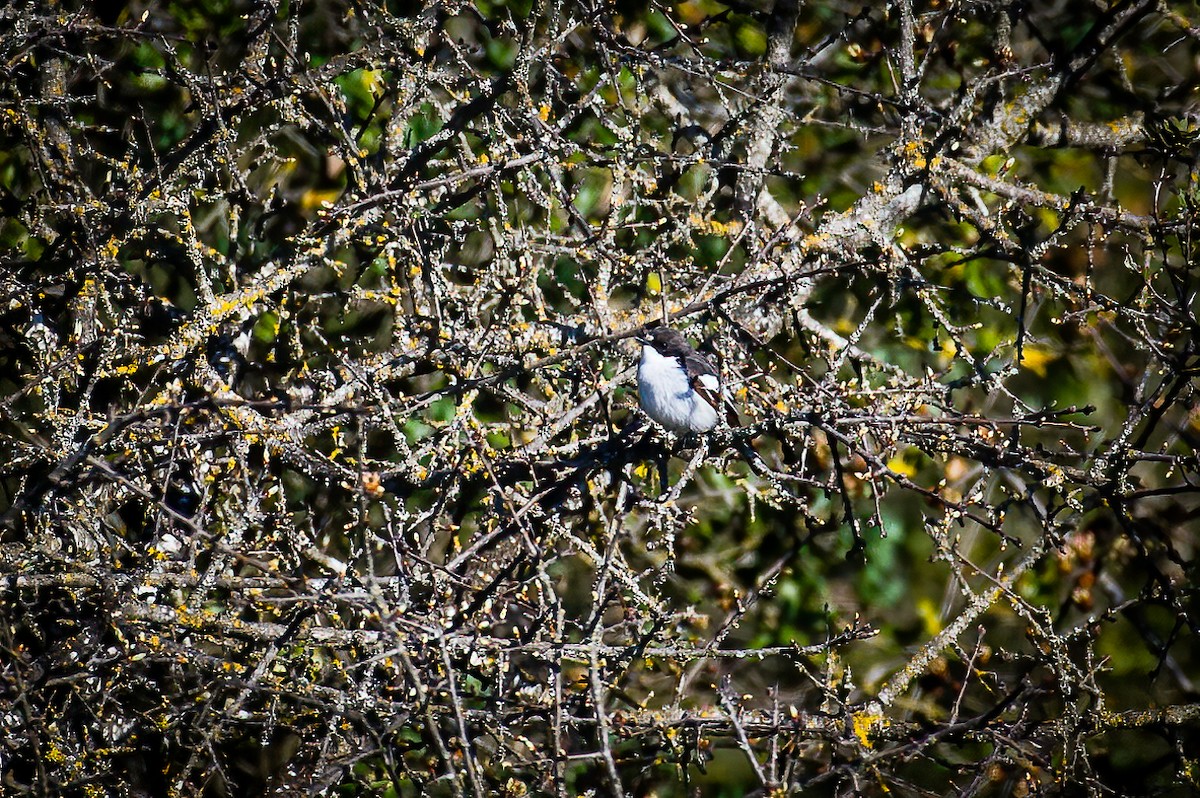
752	458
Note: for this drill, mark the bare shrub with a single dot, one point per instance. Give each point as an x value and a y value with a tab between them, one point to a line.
323	461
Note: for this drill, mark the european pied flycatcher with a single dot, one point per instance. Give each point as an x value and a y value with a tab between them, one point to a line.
678	387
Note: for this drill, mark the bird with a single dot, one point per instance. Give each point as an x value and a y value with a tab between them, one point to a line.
677	386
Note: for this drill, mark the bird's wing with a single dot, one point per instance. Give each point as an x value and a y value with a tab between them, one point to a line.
705	381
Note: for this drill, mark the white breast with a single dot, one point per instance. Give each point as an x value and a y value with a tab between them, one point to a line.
667	397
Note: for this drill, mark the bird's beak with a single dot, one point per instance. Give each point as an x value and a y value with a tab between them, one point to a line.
641	339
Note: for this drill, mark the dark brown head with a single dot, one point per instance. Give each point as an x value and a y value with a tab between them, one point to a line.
667	342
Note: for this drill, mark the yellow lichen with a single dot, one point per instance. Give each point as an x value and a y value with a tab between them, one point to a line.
865	723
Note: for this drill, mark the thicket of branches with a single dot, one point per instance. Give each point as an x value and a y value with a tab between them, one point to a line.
323	465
